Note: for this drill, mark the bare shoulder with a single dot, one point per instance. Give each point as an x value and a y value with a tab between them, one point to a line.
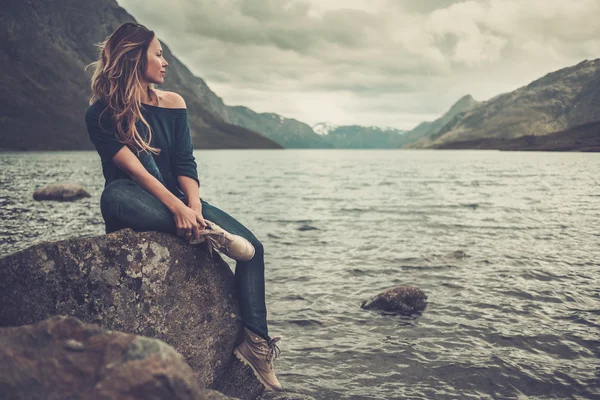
171	99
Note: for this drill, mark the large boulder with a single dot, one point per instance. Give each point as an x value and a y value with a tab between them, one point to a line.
61	192
63	358
152	284
406	300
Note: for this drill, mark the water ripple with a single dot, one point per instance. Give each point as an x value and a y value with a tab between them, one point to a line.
504	244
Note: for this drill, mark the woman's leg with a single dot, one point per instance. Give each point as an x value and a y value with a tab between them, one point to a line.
249	275
124	204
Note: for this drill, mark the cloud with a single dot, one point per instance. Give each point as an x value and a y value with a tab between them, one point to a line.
356	55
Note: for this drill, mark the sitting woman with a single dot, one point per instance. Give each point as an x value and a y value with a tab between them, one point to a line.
151	180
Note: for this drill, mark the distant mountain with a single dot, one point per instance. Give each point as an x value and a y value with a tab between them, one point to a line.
289	133
44	48
360	137
559	101
425	130
286	132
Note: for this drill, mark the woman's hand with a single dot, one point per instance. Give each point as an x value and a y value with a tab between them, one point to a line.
188	221
197	207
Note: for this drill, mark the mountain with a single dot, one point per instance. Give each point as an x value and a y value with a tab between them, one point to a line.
360	137
557	102
425	130
286	132
44	48
289	133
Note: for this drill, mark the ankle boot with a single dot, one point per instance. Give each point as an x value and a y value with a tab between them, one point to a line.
233	246
255	352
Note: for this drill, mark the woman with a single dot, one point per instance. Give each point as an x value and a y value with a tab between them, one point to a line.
156	188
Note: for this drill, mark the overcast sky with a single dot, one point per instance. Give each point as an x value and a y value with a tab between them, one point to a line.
370	62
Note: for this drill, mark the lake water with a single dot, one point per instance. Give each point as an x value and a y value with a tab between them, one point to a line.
516	317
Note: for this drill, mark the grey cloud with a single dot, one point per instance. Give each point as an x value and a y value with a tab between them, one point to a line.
373	90
421	6
266	10
358	55
285	24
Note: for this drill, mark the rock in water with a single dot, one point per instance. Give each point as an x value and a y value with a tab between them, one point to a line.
63	358
61	192
405	300
151	284
457	255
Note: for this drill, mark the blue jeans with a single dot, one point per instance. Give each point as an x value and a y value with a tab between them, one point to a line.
125	204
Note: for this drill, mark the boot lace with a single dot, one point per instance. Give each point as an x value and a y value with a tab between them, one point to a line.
214	240
273	351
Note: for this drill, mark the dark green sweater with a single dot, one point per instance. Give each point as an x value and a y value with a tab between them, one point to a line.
170	133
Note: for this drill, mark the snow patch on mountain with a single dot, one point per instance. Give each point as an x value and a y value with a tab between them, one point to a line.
323	128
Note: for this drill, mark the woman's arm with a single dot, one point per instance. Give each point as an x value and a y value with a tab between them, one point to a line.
187	221
189	187
128	162
183	164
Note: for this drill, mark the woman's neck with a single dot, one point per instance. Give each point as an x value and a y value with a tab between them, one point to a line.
147	98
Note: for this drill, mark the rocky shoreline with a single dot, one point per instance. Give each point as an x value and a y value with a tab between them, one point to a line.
149	284
131	315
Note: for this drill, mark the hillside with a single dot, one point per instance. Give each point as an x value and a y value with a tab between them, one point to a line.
561	100
289	133
44	49
579	138
420	135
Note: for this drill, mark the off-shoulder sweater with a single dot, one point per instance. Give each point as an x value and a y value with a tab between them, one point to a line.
170	133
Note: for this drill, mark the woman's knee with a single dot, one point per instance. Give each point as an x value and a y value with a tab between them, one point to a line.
114	194
115	189
258	247
126	204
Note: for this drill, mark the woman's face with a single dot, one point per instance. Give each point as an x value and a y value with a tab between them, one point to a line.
155	71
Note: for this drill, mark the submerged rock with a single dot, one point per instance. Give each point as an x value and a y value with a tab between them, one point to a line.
152	284
62	357
457	255
308	228
405	300
61	192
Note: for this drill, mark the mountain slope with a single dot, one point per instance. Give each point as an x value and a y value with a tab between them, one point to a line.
584	137
44	49
286	132
558	101
289	133
424	130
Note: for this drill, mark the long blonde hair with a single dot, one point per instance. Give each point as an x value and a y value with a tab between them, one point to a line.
117	81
